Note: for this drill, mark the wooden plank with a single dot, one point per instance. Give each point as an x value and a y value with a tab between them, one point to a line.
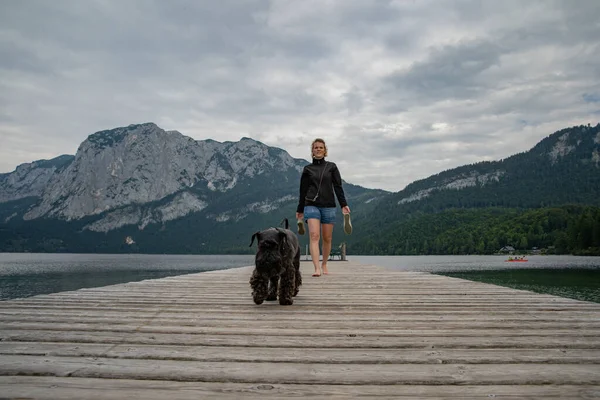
311	373
298	328
307	322
311	315
574	341
305	355
51	388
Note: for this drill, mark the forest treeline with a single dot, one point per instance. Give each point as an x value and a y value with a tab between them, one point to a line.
570	229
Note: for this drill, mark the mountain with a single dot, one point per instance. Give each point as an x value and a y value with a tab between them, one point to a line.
562	169
140	188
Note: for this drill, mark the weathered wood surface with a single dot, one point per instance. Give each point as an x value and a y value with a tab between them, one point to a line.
362	331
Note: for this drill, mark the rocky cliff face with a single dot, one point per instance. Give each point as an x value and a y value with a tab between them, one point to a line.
31	179
120	171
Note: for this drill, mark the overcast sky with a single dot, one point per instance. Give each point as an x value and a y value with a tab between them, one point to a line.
400	90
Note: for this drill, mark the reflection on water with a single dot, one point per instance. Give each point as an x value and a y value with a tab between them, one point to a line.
463	263
575	283
565	276
26	285
25	275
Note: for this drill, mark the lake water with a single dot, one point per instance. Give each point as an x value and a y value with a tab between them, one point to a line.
25	274
565	276
442	264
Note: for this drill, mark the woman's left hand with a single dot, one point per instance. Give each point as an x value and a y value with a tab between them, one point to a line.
346	210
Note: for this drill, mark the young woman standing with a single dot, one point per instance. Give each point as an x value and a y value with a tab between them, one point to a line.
320	184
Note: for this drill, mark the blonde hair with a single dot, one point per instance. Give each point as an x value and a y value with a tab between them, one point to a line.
318	140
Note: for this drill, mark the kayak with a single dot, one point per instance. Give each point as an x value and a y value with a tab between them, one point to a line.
516	260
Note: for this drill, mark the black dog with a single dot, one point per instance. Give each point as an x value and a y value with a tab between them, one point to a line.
277	263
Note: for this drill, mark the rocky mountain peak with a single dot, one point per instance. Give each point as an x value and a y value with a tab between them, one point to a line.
138	164
580	142
111	137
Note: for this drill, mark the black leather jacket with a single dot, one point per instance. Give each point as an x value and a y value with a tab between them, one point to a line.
311	194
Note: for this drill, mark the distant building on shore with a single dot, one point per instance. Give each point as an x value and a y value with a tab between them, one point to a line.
507	250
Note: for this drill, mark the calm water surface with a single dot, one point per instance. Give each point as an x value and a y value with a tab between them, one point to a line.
463	263
24	275
565	276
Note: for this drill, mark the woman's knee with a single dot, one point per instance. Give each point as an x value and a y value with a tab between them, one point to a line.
327	235
314	236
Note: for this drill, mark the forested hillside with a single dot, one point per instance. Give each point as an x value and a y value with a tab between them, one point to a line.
559	230
541	198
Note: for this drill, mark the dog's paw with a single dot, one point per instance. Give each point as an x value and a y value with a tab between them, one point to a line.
258	300
286	302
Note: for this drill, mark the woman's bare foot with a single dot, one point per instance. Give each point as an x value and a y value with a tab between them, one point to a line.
317	273
324	266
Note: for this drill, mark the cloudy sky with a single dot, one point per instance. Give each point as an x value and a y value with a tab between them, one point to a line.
399	89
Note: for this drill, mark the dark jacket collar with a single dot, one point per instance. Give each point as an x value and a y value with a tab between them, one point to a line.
317	161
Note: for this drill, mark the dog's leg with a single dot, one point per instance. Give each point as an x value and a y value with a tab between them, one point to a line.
260	287
273	287
286	286
298	278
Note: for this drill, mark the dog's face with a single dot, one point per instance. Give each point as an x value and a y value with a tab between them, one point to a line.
272	243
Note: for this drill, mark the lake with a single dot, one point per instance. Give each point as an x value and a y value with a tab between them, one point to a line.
26	274
566	276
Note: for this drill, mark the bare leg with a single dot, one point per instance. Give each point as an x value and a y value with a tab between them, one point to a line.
314	230
327	231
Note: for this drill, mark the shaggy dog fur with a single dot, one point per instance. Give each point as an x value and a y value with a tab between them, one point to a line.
277	266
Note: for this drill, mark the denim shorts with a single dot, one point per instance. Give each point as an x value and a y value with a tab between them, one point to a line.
324	214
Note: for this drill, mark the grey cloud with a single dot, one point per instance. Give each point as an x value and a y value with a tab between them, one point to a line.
18	59
560	23
450	72
354	101
419	136
130	27
468	69
261	105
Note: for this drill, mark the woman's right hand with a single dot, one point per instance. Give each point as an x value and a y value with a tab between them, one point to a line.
299	216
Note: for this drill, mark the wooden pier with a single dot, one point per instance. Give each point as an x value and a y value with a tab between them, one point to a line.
362	331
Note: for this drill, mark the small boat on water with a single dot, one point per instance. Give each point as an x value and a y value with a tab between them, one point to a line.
516	259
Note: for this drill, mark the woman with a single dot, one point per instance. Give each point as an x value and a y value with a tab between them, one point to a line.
319	181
